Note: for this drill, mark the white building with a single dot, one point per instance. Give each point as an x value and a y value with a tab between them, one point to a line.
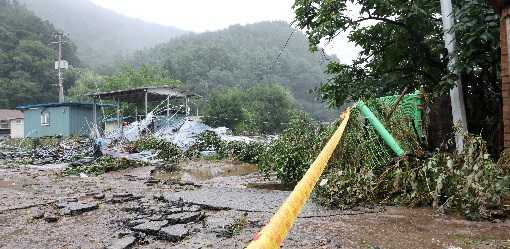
11	124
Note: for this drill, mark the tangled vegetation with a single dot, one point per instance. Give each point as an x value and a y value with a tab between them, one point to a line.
248	152
363	170
167	151
290	155
101	166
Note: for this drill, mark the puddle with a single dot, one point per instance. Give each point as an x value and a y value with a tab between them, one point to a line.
205	172
7	184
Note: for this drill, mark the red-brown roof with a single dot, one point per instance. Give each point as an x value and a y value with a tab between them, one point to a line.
6	114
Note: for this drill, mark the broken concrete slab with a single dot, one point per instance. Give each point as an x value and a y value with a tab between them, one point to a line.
123	197
136	222
192	208
123	243
74	208
250	200
151	227
182	218
173	233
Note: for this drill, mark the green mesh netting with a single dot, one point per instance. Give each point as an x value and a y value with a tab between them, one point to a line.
362	157
409	106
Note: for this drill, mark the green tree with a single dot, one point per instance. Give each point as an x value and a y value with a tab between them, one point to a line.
225	108
243	56
402	45
27	72
262	108
269	108
88	81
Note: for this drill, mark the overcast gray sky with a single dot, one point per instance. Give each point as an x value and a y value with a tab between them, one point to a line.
211	15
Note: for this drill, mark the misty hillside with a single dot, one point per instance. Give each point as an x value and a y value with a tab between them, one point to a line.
27	57
100	34
243	56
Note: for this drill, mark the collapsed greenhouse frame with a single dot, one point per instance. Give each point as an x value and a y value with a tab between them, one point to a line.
145	95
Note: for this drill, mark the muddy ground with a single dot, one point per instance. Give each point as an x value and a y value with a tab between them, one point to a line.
205	204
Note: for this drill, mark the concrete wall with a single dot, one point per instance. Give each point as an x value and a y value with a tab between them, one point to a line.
58	122
17	128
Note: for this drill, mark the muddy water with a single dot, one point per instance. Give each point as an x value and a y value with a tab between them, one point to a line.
7	184
204	171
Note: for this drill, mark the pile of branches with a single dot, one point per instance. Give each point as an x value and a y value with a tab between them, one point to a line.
364	170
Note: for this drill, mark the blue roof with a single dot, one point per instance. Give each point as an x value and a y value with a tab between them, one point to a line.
74	104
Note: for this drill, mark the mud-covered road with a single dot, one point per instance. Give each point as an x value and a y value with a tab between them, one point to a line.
204	205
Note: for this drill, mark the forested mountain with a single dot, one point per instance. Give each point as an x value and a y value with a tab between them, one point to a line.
27	72
101	34
242	56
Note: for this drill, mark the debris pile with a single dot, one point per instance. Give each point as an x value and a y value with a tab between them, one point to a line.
47	150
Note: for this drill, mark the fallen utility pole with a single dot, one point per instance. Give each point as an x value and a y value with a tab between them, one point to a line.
456	93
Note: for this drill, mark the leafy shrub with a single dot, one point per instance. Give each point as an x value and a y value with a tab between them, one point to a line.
290	155
101	166
241	151
236	150
167	151
207	140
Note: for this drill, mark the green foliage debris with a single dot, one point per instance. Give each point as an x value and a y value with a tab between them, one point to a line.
290	155
167	151
101	166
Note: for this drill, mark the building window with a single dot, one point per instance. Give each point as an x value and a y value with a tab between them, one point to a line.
19	121
45	118
4	124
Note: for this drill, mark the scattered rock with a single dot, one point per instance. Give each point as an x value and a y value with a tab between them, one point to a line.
174	233
123	243
151	227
